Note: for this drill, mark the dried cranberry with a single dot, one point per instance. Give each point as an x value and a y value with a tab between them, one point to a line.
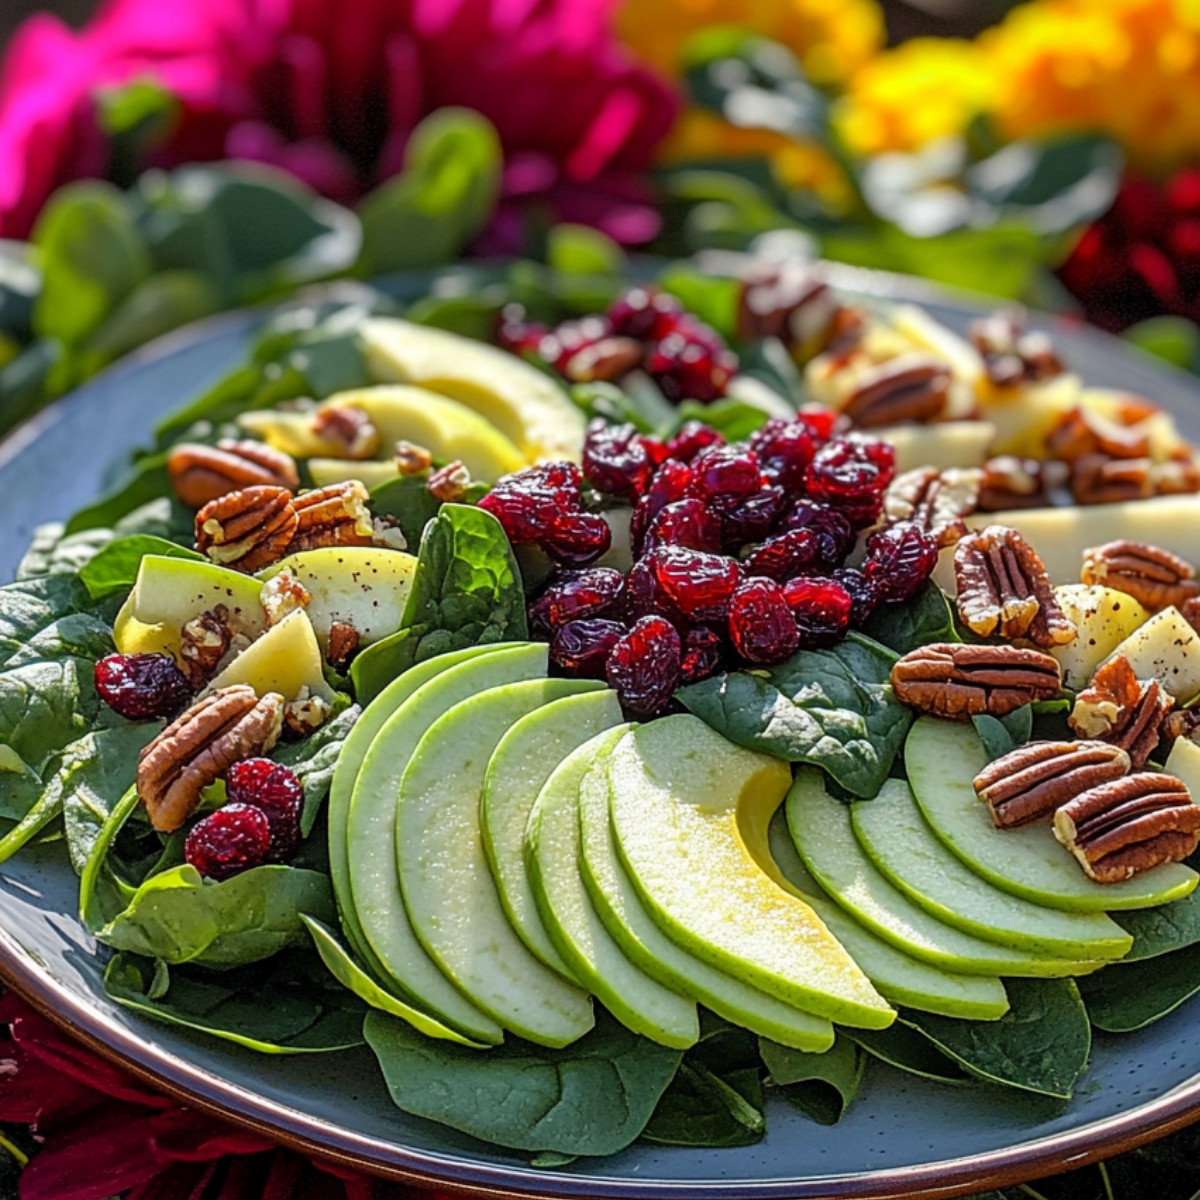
582	647
752	519
691	363
702	652
575	595
529	503
644	666
784	448
899	560
515	333
697	585
141	687
642	597
685	523
228	841
785	555
761	625
615	460
834	533
670	483
693	436
644	313
725	473
656	449
852	474
821	422
821	608
863	597
276	790
577	539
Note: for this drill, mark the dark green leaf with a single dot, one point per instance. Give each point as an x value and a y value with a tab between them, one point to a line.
52	553
701	1108
1160	930
77	635
115	567
822	1086
908	1050
904	627
735	419
410	501
1128	996
314	759
1002	735
713	298
146	480
645	408
28	607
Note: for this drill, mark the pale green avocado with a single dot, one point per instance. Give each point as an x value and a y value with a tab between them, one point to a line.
345	775
901	844
690	812
448	889
365	587
552	851
529	407
630	925
821	830
942	759
518	770
370	831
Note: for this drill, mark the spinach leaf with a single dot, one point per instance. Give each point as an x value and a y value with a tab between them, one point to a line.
736	419
904	627
53	553
1128	996
833	708
146	480
822	1086
77	635
1040	1045
28	607
289	1006
1002	735
1160	930
103	895
592	1097
409	500
466	591
180	917
115	567
314	759
907	1050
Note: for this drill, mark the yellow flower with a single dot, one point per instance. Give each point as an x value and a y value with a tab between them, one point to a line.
924	89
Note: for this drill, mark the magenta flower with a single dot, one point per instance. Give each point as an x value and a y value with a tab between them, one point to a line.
331	91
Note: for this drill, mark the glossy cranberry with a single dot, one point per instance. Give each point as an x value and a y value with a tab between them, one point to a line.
577	539
276	790
656	449
821	422
141	687
691	363
752	519
642	598
670	483
696	585
575	595
761	625
725	473
702	652
644	666
528	503
784	448
821	608
231	840
863	597
785	555
582	647
899	560
852	474
615	460
685	523
516	333
693	436
834	533
644	313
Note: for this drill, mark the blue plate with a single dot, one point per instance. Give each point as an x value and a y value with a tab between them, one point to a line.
902	1137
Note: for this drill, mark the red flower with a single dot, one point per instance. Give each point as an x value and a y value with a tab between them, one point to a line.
331	92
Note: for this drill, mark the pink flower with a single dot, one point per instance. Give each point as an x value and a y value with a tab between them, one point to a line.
331	91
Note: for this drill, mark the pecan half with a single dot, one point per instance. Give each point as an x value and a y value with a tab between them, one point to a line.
935	500
247	529
1011	356
1154	577
448	483
1081	432
349	428
306	714
1129	825
1119	708
200	473
953	679
1098	479
1033	780
203	643
1003	588
336	515
199	746
1011	482
412	459
606	360
903	389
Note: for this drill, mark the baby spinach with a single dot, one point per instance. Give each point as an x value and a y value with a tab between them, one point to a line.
924	619
1040	1045
28	607
314	759
286	1006
592	1097
1128	996
822	1086
1002	735
406	498
146	480
178	916
910	1051
1160	930
54	553
115	567
833	708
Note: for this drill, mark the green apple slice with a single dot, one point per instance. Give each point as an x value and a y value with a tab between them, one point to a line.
690	811
552	850
371	840
902	845
822	832
899	977
370	473
631	926
286	659
942	759
448	888
518	771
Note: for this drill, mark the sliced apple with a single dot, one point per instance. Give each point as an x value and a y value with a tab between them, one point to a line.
942	445
369	473
291	432
1166	648
286	659
1103	619
1024	416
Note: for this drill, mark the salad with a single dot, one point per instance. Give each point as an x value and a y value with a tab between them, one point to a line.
614	703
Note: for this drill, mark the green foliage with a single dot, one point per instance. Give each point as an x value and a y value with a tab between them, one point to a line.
907	1050
409	500
314	759
1129	996
1002	735
1160	930
904	627
822	1086
114	568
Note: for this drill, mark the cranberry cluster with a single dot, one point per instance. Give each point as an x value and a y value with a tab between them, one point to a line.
260	823
739	550
643	328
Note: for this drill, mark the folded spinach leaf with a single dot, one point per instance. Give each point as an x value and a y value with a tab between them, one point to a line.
910	1051
904	627
592	1097
54	553
833	708
145	480
115	567
409	500
286	1006
822	1086
1128	996
1160	930
1002	735
314	759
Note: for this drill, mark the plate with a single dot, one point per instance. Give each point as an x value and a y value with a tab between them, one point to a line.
903	1137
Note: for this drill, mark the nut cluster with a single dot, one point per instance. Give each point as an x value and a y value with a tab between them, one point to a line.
954	679
1119	708
200	473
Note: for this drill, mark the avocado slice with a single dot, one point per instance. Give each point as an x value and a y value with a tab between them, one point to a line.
448	888
552	851
942	759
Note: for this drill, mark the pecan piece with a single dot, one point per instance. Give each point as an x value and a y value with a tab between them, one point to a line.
247	529
785	300
349	428
283	594
1098	479
1080	432
449	483
1011	482
1154	577
199	746
1011	356
903	389
953	679
336	515
200	473
412	459
1034	780
605	360
1119	708
1129	825
934	500
1003	587
343	642
203	643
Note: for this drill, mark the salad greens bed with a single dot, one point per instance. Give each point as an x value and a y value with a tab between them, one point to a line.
254	959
